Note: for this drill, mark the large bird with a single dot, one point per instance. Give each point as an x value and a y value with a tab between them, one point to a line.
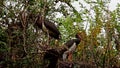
54	54
71	46
48	27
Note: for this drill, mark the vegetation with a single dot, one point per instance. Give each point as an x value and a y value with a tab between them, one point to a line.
21	39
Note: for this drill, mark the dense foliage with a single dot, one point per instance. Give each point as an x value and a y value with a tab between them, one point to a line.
21	39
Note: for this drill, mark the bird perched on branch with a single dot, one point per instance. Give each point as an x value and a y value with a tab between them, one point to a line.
48	27
71	46
54	54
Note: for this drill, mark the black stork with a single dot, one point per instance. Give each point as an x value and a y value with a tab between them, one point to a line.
71	46
48	27
54	54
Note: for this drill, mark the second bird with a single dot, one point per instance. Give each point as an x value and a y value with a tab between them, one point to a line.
48	27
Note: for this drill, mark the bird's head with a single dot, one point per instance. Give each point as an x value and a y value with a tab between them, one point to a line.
78	36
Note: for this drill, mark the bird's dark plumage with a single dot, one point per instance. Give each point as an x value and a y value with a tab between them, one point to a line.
52	55
69	43
71	47
51	27
78	35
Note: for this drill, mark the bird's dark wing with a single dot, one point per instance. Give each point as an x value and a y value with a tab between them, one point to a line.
55	35
51	26
51	53
69	43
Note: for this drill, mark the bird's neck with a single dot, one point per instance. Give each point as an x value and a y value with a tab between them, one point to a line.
43	27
